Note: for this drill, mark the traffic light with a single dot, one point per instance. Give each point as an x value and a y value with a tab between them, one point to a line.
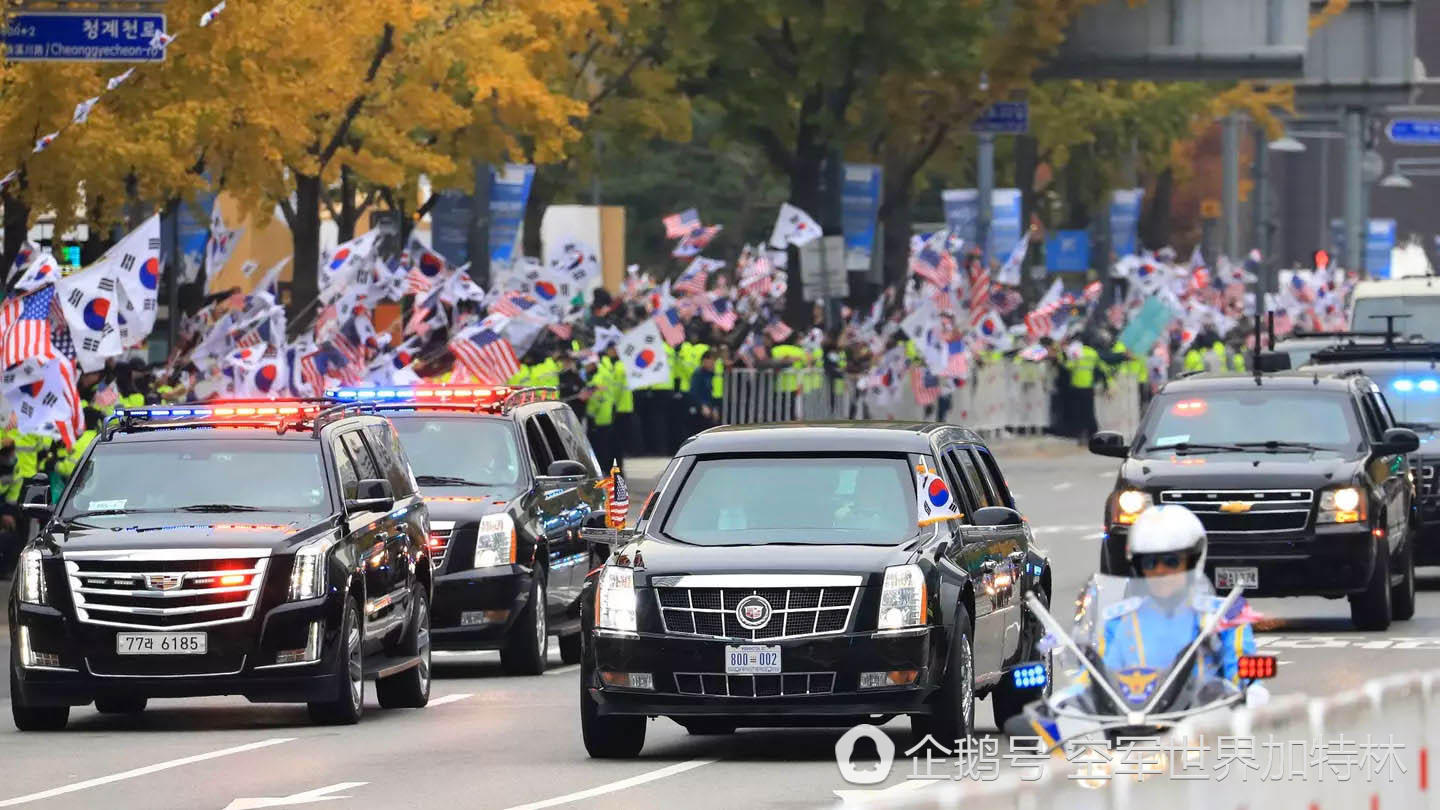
72	255
1321	259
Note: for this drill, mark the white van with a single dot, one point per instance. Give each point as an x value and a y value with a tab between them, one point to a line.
1417	297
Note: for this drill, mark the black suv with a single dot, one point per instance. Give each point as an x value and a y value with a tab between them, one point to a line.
1300	479
510	480
268	549
1409	376
811	575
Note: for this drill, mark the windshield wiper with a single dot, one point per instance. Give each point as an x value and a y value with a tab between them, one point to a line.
1186	448
94	512
1279	445
445	481
218	507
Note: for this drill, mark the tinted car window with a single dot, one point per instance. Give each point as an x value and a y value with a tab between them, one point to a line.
573	437
995	477
963	490
973	480
1318	417
1414	397
167	475
345	465
796	500
558	450
539	451
482	451
365	464
392	459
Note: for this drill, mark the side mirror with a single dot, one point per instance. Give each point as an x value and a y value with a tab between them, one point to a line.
565	468
1109	443
1399	441
995	516
371	495
35	501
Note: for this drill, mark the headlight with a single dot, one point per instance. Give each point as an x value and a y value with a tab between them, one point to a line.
495	545
307	577
1341	505
615	599
902	598
32	578
1129	504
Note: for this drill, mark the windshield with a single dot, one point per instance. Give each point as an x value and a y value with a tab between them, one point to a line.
1252	417
1424	312
1414	397
215	475
830	499
1116	621
460	452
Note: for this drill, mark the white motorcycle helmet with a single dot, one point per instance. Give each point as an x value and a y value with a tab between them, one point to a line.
1169	534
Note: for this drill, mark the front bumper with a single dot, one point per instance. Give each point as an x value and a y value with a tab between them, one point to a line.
1330	560
699	663
476	590
239	660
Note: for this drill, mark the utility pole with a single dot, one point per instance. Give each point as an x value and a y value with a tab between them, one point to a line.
1354	187
985	179
1230	186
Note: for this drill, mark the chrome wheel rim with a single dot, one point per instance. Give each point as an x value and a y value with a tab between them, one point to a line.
967	686
356	667
541	636
422	642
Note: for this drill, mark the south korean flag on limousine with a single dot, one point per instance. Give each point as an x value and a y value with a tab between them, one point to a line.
934	501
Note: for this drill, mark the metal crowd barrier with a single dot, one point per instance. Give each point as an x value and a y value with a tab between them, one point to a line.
997	398
1367	749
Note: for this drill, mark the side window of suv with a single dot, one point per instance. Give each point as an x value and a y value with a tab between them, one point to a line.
392	459
1374	424
964	490
982	496
365	464
539	451
573	436
558	449
1387	418
345	465
995	478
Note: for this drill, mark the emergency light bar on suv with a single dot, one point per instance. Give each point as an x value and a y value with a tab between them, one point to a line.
480	399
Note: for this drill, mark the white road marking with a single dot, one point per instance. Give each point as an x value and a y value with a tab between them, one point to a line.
1073	528
305	797
1095	536
441	701
562	670
143	771
1063	485
891	792
649	776
1283	642
1110	474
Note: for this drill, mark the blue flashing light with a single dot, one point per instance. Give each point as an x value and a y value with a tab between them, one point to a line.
1030	676
1404	386
1430	386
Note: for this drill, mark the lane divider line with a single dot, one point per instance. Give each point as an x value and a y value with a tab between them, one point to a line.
74	787
441	701
1063	485
562	670
601	790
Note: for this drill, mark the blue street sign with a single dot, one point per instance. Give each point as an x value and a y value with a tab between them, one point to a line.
1379	240
1414	133
1004	118
1068	252
861	205
83	37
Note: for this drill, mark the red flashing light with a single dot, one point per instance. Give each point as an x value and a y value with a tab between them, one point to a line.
1256	667
1189	407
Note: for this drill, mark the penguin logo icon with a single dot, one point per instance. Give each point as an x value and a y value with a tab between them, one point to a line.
845	750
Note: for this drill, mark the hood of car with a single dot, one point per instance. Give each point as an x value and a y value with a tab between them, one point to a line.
660	557
460	504
160	531
1239	471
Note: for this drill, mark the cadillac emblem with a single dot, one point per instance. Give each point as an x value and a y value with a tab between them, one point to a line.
753	612
163	582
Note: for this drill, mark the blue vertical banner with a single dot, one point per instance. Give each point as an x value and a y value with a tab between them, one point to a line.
1068	252
509	194
962	212
450	220
1379	240
1005	228
193	222
1125	220
1337	239
861	206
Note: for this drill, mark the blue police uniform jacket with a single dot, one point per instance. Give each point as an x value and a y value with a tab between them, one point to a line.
1142	638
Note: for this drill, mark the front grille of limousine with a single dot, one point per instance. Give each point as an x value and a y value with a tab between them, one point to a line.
170	589
1246	511
796	611
789	684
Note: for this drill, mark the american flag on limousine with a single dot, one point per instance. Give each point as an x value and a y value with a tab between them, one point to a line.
617	501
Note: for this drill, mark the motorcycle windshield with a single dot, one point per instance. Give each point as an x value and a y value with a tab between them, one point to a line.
1136	630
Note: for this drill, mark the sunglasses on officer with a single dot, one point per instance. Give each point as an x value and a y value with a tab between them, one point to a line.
1173	559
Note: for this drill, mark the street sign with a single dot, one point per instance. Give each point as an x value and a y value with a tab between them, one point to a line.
54	36
822	269
1004	118
1414	133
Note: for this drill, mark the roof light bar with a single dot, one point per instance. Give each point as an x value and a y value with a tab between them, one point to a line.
221	410
422	393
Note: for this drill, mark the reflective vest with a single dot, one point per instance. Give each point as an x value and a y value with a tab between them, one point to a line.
1135	365
793	356
689	356
813	378
27	459
545	373
601	405
520	378
1194	360
66	465
136	400
717	383
1082	368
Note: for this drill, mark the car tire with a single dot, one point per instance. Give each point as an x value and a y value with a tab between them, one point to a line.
705	727
34	718
1371	609
120	705
1007	700
411	689
953	707
1402	596
570	649
528	647
348	704
607	737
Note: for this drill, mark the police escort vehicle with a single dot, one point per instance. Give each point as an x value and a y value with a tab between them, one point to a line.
510	480
273	549
1300	479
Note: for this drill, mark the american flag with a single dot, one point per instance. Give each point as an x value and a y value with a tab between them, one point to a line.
426	272
105	396
561	330
779	331
668	321
1092	292
957	364
681	224
1039	322
60	337
513	304
350	344
25	323
485	355
1006	300
925	385
718	311
617	504
325	362
696	241
693	280
935	266
979	291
